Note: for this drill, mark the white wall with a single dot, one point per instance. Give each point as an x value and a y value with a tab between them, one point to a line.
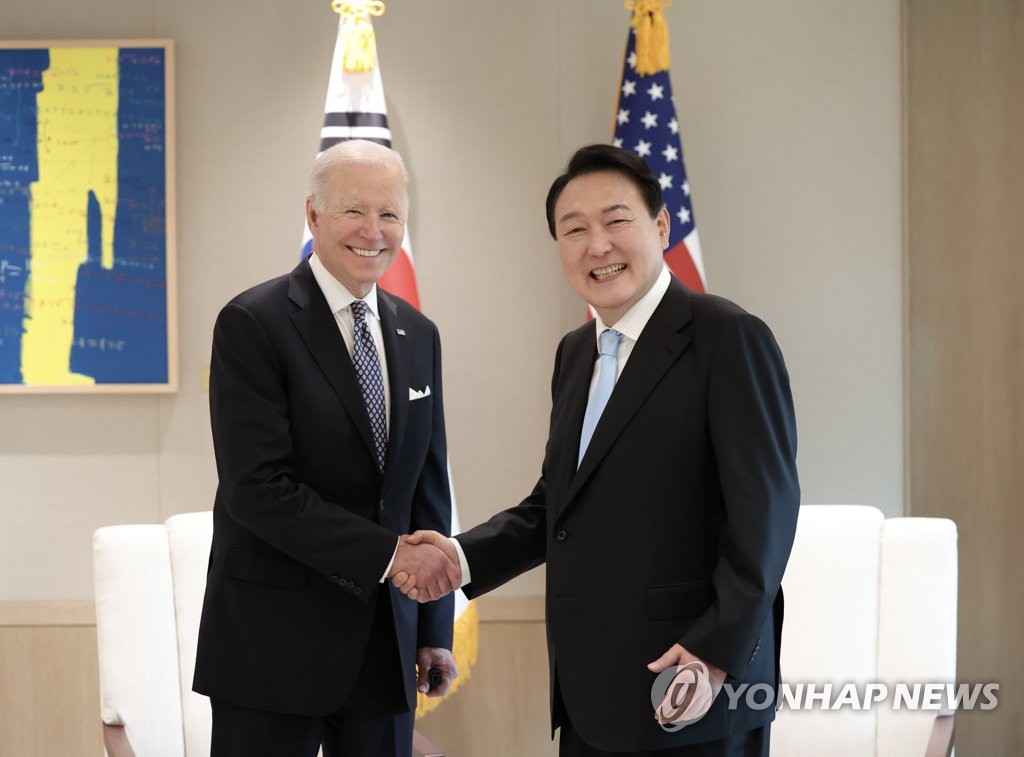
791	129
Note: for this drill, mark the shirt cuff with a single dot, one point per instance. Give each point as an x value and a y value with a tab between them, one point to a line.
390	562
462	561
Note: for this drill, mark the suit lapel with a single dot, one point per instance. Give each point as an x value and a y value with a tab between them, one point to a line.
396	350
573	389
316	325
662	341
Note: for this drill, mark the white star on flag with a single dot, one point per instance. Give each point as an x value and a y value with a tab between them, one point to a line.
631	60
650	120
623	116
643	149
686	188
671	153
656	91
665	180
684	216
628	88
673	126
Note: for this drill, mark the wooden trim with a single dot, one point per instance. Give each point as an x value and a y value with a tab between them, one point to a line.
48	613
171	215
498	609
31	44
511	609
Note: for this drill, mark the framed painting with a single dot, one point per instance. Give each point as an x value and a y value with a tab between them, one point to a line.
87	259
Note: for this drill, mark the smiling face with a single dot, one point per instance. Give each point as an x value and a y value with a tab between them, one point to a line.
358	219
611	248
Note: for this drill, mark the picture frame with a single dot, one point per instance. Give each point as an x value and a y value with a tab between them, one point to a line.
87	217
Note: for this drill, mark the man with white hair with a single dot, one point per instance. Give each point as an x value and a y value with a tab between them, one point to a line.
328	429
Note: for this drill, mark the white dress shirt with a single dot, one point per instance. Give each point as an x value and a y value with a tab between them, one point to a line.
340	300
631	324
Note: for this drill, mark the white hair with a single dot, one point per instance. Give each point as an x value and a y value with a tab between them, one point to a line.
348	152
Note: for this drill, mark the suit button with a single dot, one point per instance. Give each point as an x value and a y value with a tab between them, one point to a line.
561	535
335	579
358	591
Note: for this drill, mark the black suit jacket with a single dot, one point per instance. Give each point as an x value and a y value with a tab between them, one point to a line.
304	523
676	527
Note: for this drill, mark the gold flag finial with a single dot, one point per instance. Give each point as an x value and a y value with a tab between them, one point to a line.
651	35
360	42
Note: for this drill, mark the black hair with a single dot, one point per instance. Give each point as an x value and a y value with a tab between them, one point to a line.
601	157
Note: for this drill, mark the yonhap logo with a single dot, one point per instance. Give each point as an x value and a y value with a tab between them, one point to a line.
681	695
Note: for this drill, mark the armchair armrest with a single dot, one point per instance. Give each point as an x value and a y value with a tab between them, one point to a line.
116	741
941	742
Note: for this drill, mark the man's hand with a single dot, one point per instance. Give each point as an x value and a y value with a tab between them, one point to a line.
424	572
692	689
409	583
441	660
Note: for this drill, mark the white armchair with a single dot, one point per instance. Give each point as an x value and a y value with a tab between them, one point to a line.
150	581
868	600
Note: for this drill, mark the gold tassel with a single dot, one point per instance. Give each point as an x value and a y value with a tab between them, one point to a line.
651	35
360	42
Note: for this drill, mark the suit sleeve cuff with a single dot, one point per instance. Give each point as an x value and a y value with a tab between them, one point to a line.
463	563
391	562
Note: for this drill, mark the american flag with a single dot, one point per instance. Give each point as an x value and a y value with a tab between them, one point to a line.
645	122
355	109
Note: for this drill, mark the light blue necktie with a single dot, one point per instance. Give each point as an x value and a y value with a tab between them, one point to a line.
609	342
367	365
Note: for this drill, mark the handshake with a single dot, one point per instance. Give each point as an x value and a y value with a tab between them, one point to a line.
426	566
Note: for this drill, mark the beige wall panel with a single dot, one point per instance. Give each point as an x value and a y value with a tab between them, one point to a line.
502	710
49	691
789	117
965	118
70	465
473	102
250	88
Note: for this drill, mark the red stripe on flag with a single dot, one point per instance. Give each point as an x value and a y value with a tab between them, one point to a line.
400	279
681	264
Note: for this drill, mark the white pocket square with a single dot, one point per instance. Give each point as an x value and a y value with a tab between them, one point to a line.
416	394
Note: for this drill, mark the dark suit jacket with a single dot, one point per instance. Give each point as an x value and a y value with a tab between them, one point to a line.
676	527
304	523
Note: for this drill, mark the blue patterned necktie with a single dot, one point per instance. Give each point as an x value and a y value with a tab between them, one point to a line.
367	364
602	390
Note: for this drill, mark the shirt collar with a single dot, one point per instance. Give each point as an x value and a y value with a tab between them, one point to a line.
337	295
633	321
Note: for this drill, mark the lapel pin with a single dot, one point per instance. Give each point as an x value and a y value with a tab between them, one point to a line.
401	332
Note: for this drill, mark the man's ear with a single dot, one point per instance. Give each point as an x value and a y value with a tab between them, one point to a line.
311	215
664	222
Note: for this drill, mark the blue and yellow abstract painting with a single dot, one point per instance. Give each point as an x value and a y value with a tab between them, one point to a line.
84	295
